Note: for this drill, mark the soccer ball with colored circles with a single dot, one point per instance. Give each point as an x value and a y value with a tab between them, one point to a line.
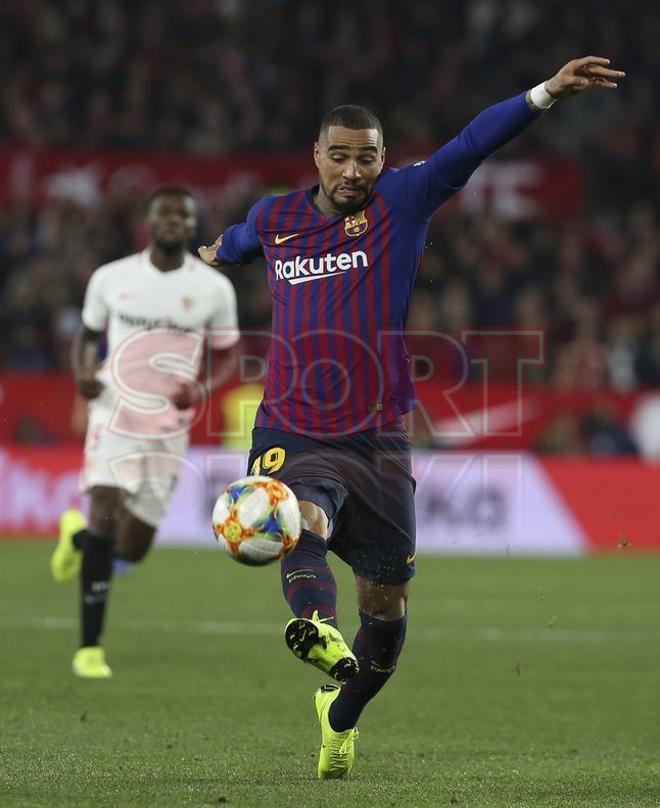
257	520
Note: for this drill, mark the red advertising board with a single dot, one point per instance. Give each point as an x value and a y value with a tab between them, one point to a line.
511	189
38	483
615	501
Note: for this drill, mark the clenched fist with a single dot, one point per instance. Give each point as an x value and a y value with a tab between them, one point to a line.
88	385
187	395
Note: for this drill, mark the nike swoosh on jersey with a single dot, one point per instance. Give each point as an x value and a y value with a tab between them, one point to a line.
411	558
281	239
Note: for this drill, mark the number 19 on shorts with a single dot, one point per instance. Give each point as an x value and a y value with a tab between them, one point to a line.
269	462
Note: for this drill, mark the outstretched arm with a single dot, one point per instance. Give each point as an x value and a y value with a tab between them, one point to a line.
425	186
239	244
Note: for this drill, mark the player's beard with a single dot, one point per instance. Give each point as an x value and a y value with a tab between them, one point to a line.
346	207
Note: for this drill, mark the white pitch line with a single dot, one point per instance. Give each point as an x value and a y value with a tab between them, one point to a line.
164	626
256	629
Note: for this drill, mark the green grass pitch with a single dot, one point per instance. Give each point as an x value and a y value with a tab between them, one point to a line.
523	683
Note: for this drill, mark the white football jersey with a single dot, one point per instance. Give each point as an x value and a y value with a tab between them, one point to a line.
157	325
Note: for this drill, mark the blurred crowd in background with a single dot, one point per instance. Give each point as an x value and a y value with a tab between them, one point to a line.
214	77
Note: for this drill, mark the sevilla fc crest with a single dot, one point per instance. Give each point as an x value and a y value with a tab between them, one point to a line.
356	225
187	302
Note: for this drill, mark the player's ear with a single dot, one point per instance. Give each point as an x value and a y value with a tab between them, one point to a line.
317	153
382	157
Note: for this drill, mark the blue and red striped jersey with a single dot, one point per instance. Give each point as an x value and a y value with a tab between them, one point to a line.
341	288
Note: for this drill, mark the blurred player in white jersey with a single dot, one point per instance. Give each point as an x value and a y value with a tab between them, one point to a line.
159	309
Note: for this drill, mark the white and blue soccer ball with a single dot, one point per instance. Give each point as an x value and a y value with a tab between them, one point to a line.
257	520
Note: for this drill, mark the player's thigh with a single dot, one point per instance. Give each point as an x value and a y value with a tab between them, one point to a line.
149	499
130	477
375	531
308	467
111	469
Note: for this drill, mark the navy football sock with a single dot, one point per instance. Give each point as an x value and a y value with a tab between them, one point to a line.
95	578
377	646
307	580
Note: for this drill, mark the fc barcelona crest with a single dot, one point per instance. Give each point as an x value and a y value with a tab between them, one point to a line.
356	225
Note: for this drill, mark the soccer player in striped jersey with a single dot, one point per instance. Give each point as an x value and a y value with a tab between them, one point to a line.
341	260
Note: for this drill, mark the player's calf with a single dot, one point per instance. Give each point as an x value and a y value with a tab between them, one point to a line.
307	580
377	647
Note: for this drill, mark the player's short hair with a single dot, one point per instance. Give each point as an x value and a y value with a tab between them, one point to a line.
168	190
352	117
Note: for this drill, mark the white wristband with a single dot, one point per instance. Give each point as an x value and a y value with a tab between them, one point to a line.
540	97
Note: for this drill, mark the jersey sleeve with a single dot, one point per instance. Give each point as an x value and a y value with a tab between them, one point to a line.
240	242
95	312
223	326
424	186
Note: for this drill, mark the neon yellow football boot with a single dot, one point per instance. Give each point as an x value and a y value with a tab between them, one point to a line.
321	645
89	663
66	559
337	748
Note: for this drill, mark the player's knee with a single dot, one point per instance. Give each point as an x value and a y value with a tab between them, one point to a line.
383	601
388	610
314	518
134	538
103	506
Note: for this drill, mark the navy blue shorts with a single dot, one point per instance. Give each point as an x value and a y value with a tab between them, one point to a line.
364	484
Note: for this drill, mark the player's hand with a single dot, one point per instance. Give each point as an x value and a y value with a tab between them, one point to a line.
88	385
587	73
209	254
187	395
